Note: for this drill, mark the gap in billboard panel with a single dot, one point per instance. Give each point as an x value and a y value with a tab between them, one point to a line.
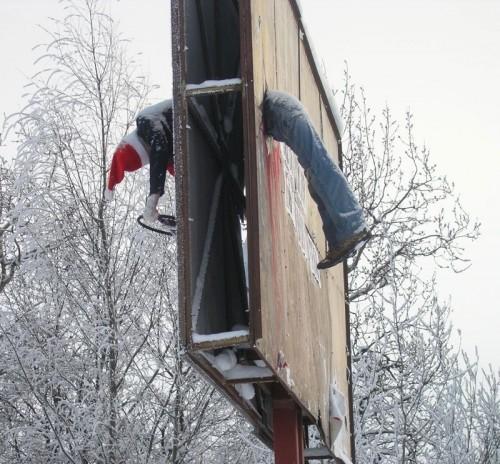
215	162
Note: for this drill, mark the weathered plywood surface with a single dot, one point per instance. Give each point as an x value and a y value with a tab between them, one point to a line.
264	57
310	97
336	282
303	311
287	56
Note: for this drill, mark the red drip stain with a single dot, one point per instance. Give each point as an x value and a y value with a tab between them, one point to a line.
275	208
273	174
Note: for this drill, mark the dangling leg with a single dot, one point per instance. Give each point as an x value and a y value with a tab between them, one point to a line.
287	121
328	226
158	158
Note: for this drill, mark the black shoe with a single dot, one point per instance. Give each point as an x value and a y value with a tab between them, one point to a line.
346	249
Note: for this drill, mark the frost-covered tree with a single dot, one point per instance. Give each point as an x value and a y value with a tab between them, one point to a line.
10	253
74	326
91	369
403	195
410	382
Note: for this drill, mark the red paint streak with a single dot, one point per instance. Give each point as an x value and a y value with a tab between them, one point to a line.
273	174
275	209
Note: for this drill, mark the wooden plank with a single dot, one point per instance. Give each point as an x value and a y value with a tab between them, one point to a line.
295	313
310	97
253	380
287	47
309	92
328	134
339	366
263	76
251	175
339	362
263	45
223	343
300	315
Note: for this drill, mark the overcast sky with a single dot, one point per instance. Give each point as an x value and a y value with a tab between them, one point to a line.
438	58
441	60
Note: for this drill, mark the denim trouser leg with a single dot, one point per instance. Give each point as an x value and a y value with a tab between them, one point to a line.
328	226
287	121
158	154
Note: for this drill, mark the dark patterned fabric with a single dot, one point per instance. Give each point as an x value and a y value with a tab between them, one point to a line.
155	129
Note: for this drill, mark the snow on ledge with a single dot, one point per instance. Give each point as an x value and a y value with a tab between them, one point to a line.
210	83
240	371
217	337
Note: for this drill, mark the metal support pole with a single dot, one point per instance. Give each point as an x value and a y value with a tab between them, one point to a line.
288	432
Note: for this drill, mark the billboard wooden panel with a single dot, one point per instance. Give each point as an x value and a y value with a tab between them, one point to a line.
303	311
289	337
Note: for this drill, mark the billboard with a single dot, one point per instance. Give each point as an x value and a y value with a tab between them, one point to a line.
257	317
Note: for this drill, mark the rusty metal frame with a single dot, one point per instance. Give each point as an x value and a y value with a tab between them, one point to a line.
288	432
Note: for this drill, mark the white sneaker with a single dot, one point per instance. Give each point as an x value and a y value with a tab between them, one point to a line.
150	210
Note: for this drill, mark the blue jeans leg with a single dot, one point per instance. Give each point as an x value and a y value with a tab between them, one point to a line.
328	226
287	121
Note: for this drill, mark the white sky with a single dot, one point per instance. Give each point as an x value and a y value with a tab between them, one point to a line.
439	58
